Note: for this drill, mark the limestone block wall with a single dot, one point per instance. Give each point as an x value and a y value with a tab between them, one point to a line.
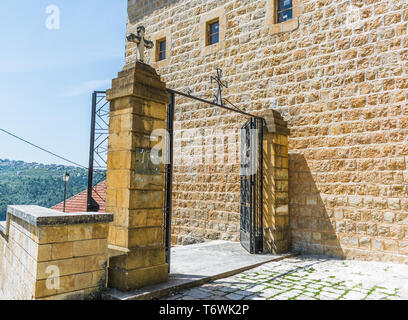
338	75
17	262
45	254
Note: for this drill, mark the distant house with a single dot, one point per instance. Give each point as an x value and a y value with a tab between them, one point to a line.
78	202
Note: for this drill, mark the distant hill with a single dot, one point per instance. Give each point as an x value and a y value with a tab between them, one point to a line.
34	183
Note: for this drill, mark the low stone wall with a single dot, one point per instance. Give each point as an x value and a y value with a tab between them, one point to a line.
45	254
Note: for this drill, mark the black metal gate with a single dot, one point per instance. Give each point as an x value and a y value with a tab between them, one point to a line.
251	226
256	122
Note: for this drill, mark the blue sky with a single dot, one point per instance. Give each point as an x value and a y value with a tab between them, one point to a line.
47	76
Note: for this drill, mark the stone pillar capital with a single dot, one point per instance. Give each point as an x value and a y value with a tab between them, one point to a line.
140	80
275	122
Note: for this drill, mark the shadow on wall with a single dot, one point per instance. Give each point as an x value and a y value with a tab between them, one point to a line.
142	8
312	224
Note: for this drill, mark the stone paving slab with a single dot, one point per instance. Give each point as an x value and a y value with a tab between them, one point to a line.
196	264
309	278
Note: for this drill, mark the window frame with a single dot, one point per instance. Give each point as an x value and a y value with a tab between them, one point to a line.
209	34
278	11
208	18
156	38
159	49
285	26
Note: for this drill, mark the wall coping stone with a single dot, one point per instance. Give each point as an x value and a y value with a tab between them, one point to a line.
3	227
39	216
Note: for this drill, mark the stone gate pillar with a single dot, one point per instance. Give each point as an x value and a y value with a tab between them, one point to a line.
276	184
135	186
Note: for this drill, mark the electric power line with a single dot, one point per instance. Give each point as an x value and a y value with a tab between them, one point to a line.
49	152
42	149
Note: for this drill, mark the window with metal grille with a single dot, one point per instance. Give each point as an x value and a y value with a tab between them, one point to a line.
213	32
161	50
285	10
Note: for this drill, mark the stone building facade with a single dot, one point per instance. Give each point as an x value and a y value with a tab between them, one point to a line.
337	71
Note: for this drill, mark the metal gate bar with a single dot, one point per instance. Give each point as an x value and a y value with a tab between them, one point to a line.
98	145
91	154
259	176
213	103
169	177
251	222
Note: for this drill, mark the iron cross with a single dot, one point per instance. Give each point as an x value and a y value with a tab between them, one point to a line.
142	43
221	86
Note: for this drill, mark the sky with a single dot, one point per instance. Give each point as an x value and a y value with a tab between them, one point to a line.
48	69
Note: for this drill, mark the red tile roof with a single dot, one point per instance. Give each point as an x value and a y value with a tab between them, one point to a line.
78	202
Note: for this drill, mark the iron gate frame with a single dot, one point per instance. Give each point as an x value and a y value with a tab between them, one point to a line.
251	217
169	167
97	151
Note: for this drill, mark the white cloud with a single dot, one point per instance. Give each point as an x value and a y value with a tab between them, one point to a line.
87	87
19	64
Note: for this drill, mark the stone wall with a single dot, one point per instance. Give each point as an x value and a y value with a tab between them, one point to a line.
18	262
338	76
45	254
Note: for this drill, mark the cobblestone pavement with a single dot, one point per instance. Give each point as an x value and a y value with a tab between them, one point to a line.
308	278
